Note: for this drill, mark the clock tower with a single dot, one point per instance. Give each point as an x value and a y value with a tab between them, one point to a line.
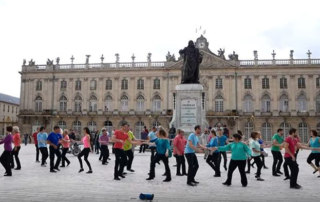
202	43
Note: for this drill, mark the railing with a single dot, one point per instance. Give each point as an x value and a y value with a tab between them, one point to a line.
279	62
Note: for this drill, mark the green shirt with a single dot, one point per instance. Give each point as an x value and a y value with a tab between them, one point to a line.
279	139
127	145
239	150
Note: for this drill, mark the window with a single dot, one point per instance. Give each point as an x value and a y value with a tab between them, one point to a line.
219	103
109	84
93	103
124	84
318	103
92	125
93	85
247	83
156	124
62	125
302	103
63	85
108	126
219	83
108	103
248	128
156	103
303	132
76	126
284	103
77	104
140	84
265	104
39	86
265	83
301	82
139	128
156	83
124	103
140	103
266	132
38	104
78	85
248	104
283	83
63	104
285	127
318	82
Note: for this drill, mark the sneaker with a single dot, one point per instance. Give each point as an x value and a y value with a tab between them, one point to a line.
248	172
62	166
179	174
276	175
81	170
38	161
295	187
227	184
260	179
131	170
196	182
53	171
117	178
217	175
122	176
56	169
191	184
90	171
315	171
43	165
279	172
287	178
150	178
167	180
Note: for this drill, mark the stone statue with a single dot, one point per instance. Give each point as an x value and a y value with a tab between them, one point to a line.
191	61
49	62
58	60
170	58
149	57
233	56
221	53
24	62
31	62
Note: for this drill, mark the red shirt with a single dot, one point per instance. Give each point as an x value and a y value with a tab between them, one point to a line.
34	135
121	136
16	139
179	144
292	146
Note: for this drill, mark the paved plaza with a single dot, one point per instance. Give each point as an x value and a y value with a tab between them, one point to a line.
35	183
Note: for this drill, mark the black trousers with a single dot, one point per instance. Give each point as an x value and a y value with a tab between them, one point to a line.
63	156
314	156
165	160
130	156
15	153
224	155
249	164
121	161
193	166
214	161
143	148
153	153
258	162
54	152
241	164
277	161
181	163
44	153
6	159
85	152
37	152
294	168
286	166
104	153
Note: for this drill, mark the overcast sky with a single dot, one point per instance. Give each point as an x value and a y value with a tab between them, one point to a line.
42	29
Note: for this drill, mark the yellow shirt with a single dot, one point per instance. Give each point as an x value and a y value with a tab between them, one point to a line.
127	145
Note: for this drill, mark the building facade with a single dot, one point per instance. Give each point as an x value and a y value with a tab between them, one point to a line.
9	110
245	95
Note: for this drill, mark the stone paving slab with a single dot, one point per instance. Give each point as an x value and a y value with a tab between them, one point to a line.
35	183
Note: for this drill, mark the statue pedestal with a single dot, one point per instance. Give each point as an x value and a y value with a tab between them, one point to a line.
189	110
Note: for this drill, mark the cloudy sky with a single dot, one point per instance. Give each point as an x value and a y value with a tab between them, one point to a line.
42	29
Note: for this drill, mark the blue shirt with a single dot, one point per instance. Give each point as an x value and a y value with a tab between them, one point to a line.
162	145
194	139
222	140
213	143
54	138
153	137
42	139
315	144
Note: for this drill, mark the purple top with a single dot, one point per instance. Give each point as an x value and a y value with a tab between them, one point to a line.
7	142
104	139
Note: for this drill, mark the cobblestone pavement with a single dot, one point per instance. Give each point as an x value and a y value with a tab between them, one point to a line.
35	183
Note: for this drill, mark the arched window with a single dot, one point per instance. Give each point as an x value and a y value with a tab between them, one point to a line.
76	126
124	84
139	128
62	125
285	127
93	103
283	83
78	85
156	83
318	103
302	103
109	84
108	126
156	103
266	131
63	104
38	107
265	104
284	103
219	103
124	101
93	85
265	83
140	84
140	103
77	104
63	85
301	82
156	124
303	132
248	128
248	104
39	86
108	103
92	125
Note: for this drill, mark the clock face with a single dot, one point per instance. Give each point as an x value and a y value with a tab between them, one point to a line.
201	45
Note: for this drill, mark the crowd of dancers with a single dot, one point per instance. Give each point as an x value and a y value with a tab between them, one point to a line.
214	143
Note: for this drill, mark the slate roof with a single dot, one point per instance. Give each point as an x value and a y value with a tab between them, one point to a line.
9	99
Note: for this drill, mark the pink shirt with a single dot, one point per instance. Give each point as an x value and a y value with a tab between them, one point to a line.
179	144
292	146
65	144
86	142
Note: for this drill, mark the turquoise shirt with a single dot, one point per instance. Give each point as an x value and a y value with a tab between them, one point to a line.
239	150
162	145
42	139
254	144
213	143
315	144
194	139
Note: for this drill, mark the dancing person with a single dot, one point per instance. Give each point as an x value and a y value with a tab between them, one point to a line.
262	152
277	143
35	139
152	137
6	156
239	153
104	141
16	149
53	141
190	150
128	149
256	154
86	150
65	141
223	140
144	136
203	140
179	143
42	137
314	142
163	147
214	156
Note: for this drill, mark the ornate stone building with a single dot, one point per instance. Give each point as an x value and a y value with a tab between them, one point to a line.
9	110
243	94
